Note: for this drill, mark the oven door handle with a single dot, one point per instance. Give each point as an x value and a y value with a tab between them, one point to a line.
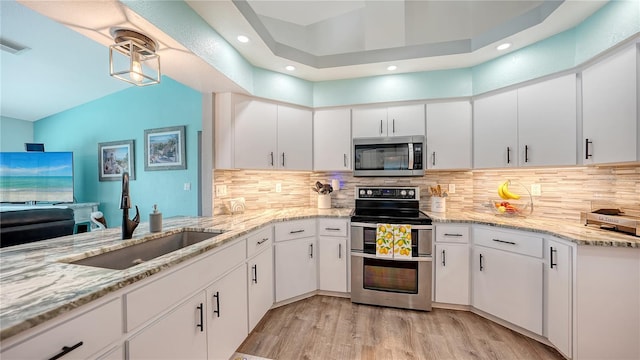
423	258
373	226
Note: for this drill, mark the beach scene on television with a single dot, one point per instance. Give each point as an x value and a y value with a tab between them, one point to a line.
36	177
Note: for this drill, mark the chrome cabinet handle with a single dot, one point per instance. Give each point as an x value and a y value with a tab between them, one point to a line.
217	310
504	242
262	241
586	149
66	350
201	325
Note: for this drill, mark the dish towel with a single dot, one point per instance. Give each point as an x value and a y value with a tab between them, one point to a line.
384	240
401	241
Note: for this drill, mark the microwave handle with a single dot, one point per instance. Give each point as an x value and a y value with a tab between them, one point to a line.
410	156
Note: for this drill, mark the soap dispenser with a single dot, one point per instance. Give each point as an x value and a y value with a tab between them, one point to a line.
155	220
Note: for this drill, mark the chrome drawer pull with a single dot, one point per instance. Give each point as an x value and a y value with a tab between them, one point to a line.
504	242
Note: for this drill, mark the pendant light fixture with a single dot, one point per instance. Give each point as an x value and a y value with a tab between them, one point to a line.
133	57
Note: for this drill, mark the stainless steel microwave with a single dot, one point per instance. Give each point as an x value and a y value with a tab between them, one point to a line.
389	156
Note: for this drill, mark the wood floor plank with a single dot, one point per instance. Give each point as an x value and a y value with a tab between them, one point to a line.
325	328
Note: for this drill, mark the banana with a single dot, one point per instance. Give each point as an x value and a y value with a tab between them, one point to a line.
501	191
507	193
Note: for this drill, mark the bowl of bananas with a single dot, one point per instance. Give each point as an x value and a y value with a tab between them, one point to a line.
515	200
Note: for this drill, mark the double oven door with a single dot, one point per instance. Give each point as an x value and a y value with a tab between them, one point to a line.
401	283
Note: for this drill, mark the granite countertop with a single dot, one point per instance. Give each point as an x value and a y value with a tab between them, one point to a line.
37	283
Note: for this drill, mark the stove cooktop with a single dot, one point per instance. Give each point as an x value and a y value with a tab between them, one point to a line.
421	219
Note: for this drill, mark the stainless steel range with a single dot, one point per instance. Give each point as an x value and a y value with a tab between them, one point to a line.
376	278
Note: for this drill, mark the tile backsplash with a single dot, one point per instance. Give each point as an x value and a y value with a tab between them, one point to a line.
565	192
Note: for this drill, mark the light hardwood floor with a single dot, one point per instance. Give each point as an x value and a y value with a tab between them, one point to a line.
324	327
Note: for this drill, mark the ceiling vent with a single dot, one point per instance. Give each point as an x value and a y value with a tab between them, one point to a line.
12	47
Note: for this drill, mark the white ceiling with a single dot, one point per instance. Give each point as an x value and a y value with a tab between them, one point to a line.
68	61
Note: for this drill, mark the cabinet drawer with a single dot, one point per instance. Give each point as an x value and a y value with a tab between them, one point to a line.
452	233
146	302
95	328
513	241
259	240
295	229
333	227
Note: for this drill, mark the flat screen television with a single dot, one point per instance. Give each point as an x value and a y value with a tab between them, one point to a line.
31	177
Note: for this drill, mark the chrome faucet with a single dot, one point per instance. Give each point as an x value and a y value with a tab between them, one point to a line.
128	226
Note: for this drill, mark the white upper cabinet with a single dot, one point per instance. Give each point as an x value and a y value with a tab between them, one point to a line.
547	122
294	138
255	135
270	136
495	131
403	120
449	135
609	109
332	140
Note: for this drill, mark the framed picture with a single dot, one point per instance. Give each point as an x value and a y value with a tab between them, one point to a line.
164	149
115	158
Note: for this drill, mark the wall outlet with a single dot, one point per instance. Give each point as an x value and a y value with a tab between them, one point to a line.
278	187
452	188
221	190
187	186
536	190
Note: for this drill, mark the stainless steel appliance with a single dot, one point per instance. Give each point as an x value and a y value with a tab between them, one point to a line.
405	282
389	156
612	219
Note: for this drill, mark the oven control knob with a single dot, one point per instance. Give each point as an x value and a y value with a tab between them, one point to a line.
362	192
369	192
411	192
403	193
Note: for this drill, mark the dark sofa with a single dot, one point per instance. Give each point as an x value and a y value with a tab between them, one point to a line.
25	226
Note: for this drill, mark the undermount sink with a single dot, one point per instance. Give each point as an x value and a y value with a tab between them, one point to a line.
129	256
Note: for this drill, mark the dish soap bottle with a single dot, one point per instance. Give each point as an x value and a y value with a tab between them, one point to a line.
155	220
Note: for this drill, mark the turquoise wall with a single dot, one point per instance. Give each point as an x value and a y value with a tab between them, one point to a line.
124	116
14	133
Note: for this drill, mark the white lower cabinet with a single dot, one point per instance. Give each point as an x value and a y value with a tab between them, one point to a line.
332	263
79	337
180	334
295	267
226	319
559	271
260	272
452	273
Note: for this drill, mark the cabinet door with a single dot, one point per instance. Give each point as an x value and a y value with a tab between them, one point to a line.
559	289
295	268
227	314
495	131
547	122
332	140
609	109
260	280
369	122
405	120
449	135
178	335
508	286
294	138
452	273
332	263
255	134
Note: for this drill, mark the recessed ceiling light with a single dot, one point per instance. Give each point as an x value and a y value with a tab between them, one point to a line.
290	67
391	67
243	39
504	46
